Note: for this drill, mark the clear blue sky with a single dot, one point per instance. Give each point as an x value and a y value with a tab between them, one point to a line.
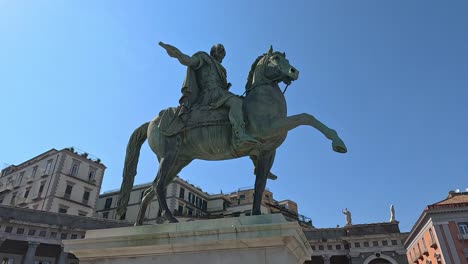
390	76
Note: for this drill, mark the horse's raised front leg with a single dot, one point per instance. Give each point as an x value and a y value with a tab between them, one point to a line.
291	122
264	162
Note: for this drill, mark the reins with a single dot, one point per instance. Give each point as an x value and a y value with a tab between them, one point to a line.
251	88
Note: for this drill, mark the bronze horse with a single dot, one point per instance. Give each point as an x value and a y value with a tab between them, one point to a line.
267	121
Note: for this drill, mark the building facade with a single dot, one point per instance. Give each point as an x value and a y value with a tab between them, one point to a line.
189	202
440	235
35	237
62	181
375	243
47	199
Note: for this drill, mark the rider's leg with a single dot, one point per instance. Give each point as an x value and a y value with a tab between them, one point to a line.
236	118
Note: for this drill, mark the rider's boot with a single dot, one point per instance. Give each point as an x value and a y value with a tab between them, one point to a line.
241	137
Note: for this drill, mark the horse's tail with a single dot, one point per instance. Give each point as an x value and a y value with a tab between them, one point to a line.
131	160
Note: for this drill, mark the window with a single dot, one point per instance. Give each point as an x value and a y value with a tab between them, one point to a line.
42	233
338	247
394	242
31	232
63	236
74	236
41	188
74	168
13	198
384	243
191	198
357	244
205	205
122	217
20	231
85	197
190	212
182	193
329	247
34	171
8	229
20	178
91	174
321	247
48	167
313	247
105	215
424	244
375	243
431	234
108	203
463	227
366	244
62	210
26	193
53	234
68	191
242	196
180	210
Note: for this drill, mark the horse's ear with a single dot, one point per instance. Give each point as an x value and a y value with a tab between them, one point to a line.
270	51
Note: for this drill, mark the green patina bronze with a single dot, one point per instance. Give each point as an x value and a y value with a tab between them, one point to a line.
212	123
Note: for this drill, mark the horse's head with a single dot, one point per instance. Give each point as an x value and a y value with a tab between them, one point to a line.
277	67
271	67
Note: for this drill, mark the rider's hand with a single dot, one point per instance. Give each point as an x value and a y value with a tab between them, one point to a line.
171	50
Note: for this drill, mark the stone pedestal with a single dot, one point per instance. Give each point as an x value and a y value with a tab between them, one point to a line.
246	240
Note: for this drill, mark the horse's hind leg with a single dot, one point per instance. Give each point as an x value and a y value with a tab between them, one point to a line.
168	169
270	176
147	198
264	163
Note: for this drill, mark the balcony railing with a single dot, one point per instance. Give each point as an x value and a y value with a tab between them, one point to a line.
463	236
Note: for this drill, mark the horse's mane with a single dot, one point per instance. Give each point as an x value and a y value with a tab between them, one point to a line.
248	85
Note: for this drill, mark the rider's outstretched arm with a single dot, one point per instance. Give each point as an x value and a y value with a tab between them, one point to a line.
176	53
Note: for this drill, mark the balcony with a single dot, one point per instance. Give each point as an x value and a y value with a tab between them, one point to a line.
30	179
6	187
463	236
21	200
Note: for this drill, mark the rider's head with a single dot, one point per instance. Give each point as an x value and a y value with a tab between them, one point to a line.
218	52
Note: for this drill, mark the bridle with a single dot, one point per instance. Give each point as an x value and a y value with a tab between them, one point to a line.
266	58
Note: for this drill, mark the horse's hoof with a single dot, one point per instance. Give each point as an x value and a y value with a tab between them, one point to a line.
340	149
339	146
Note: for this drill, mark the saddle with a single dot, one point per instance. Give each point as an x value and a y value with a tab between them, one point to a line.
173	120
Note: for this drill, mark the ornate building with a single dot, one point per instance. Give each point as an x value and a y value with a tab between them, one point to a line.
31	236
189	202
37	200
62	181
440	235
375	243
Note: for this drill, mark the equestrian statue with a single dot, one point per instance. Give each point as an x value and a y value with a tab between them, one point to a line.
212	123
